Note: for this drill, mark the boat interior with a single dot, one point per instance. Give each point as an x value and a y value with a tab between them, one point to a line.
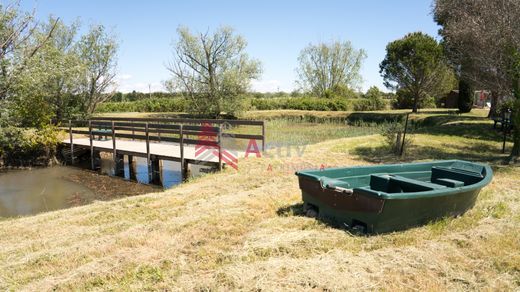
410	181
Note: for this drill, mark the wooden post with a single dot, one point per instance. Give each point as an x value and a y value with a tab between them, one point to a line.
263	136
404	134
71	143
219	148
148	157
132	171
119	166
156	171
181	145
114	149
133	131
91	145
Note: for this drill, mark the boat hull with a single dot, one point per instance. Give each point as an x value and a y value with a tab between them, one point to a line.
380	214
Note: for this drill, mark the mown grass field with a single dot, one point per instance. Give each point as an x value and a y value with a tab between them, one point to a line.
245	230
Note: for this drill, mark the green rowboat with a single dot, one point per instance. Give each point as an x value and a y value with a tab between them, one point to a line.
383	198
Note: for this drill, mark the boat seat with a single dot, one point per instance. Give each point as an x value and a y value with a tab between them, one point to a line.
468	177
398	184
449	182
404	184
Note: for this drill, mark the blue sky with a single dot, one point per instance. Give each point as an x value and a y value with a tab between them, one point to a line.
276	31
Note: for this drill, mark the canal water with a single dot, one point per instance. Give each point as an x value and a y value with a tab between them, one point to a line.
27	192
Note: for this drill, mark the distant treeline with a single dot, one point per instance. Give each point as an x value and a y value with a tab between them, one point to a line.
175	102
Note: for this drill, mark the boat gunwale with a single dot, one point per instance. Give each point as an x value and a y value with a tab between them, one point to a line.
411	195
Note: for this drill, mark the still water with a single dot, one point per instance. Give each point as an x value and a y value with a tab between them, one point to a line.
26	192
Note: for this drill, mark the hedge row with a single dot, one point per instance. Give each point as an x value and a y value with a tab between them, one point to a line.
145	105
319	104
294	103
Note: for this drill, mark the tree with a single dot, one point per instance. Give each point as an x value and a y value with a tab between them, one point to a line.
465	100
417	66
483	38
212	70
327	68
17	47
97	51
54	72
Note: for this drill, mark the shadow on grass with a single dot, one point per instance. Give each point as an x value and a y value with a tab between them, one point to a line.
478	130
297	210
478	152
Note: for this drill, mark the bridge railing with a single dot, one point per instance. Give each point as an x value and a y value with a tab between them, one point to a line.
182	131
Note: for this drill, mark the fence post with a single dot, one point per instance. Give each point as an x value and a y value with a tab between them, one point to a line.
404	135
91	145
148	156
71	143
219	147
114	149
181	145
263	136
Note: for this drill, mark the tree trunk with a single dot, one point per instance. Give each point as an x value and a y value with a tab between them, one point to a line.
515	119
494	102
415	104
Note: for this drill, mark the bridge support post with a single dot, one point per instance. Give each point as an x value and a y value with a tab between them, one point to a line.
185	171
155	171
119	165
92	160
95	159
132	170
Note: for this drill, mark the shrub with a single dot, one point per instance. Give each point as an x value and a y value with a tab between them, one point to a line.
372	101
145	105
27	147
404	100
393	137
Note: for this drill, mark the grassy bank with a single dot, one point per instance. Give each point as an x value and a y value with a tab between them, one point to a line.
245	230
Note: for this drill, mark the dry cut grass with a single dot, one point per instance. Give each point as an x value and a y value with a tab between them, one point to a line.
243	230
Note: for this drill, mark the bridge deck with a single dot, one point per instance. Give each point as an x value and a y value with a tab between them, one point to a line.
163	150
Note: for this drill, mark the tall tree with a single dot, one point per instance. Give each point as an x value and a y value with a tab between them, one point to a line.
98	52
416	65
327	68
17	45
483	37
212	70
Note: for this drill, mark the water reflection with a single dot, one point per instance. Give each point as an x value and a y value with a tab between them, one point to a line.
170	171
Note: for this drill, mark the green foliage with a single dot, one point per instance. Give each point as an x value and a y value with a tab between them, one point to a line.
27	147
417	65
404	100
329	69
146	105
318	104
393	137
465	101
212	70
372	101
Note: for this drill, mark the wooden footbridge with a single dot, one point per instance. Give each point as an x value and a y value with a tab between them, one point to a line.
187	141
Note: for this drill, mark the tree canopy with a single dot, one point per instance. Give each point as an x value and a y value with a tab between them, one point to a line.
49	71
327	69
417	66
483	39
212	70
